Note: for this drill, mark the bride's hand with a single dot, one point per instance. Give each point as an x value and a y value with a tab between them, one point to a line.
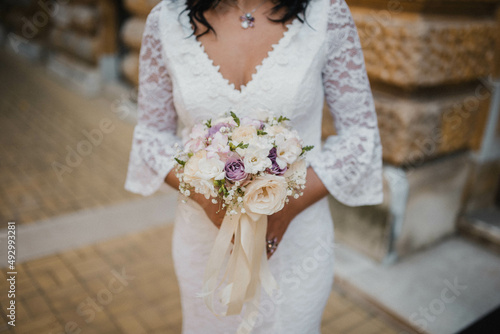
277	225
213	211
278	222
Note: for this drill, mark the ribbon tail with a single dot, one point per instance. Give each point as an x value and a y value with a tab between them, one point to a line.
242	272
216	259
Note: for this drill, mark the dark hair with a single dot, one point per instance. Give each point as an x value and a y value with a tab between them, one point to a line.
197	8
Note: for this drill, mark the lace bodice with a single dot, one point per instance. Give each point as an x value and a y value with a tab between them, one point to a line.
179	85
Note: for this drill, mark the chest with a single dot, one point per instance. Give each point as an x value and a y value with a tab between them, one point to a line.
210	77
237	51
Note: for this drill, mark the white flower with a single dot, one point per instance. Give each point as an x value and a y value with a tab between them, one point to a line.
255	157
262	114
250	121
278	129
297	172
200	172
198	131
228	120
244	133
265	195
194	145
287	150
217	145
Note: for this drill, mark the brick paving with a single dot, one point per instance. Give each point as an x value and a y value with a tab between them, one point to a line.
80	288
40	122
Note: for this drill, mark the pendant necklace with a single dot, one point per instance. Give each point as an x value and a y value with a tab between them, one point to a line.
247	19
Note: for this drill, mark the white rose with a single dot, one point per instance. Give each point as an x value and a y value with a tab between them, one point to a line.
200	172
265	195
244	133
297	172
287	150
255	157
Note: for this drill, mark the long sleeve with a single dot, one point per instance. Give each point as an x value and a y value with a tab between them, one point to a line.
155	133
349	163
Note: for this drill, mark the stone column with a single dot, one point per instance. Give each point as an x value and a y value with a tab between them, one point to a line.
428	64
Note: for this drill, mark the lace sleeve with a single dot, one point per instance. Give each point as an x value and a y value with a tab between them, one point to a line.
155	133
349	163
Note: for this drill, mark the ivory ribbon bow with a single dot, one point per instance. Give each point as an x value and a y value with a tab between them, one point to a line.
247	268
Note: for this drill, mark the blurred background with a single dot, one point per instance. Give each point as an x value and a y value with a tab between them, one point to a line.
93	258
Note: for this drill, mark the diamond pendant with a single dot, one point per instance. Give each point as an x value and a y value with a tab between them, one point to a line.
247	21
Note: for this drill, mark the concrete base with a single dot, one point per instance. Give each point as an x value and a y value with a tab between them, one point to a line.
441	290
420	207
434	202
29	49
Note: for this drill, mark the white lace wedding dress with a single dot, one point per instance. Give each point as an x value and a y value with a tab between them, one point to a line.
179	85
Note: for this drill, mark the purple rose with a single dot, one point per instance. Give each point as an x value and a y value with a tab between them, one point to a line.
273	153
275	168
214	129
235	170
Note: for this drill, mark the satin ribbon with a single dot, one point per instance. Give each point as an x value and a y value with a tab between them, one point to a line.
247	268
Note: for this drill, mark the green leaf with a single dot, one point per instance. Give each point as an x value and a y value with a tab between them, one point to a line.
180	162
241	145
261	132
282	119
306	149
208	123
236	119
223	190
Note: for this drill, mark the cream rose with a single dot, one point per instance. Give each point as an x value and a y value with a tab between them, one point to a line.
244	134
277	129
297	172
201	171
265	195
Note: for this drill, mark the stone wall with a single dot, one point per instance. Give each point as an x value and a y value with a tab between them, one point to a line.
429	64
131	34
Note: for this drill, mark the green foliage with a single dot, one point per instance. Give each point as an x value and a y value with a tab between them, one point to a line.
282	119
306	149
232	147
180	162
236	119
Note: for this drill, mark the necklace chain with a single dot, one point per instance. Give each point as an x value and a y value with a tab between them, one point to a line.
253	10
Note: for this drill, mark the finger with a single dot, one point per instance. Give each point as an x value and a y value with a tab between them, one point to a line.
271	245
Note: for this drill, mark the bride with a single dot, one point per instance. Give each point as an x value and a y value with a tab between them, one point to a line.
201	58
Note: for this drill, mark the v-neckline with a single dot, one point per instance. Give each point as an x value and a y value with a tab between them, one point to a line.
215	69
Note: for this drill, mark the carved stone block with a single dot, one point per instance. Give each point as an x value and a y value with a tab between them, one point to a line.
409	50
414	130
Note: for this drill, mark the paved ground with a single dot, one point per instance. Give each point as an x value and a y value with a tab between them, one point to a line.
41	122
54	291
84	287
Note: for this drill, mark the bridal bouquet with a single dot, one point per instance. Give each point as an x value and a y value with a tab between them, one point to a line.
252	167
